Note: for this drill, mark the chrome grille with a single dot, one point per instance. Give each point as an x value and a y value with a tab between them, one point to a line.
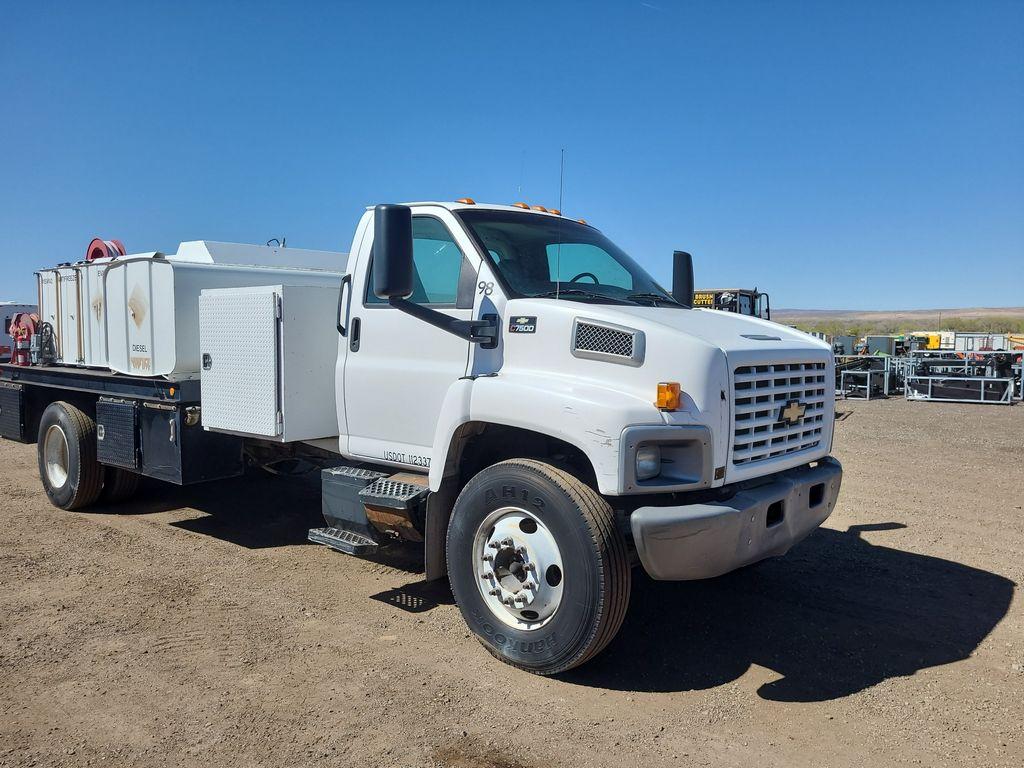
760	393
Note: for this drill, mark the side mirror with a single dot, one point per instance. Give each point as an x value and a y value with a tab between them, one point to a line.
392	251
682	278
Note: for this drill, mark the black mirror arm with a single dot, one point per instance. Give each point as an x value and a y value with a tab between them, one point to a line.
483	332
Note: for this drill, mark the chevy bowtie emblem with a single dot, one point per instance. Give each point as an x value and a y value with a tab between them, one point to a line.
793	412
522	320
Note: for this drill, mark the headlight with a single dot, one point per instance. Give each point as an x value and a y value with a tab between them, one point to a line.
648	462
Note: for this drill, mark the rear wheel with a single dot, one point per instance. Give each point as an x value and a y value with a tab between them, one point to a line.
537	565
119	485
66	449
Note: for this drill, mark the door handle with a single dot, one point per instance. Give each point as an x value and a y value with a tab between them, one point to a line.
346	280
353	342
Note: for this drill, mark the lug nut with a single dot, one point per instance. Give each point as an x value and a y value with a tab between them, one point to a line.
494	545
494	592
488	575
506	542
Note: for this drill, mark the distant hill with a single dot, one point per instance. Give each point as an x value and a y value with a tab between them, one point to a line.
998	319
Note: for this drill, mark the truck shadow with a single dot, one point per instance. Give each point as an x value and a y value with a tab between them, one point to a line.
835	616
258	511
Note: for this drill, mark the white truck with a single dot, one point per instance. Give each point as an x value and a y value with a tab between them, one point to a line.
501	385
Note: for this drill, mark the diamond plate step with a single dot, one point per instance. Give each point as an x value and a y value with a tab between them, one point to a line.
358	473
393	493
343	541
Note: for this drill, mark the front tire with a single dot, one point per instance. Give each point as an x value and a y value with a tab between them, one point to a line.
538	567
71	475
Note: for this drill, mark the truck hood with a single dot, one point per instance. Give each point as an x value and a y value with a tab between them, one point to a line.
701	349
727	331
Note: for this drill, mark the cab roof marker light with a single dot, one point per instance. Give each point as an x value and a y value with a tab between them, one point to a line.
540	208
524	206
555	211
582	221
466	201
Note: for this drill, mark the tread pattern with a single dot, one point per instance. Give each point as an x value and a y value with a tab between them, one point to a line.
613	560
89	482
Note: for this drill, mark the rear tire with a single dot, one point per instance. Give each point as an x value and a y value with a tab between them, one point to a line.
526	532
66	449
119	485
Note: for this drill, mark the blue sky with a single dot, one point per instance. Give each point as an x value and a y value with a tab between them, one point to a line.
863	155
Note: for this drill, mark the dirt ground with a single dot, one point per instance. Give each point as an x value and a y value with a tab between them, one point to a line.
197	627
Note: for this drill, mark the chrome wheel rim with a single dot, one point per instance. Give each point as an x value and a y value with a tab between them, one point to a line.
55	456
518	568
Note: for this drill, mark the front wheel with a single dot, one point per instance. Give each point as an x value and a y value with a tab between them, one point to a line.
538	567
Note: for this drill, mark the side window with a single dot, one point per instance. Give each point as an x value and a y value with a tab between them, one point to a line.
439	265
569	260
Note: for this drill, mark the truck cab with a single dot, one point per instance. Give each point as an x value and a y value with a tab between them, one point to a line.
491	335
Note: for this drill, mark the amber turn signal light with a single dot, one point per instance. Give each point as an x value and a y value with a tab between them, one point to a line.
668	396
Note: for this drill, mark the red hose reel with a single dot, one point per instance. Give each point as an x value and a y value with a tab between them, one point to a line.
24	326
104	249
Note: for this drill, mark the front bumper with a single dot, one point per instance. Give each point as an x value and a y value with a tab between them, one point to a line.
699	541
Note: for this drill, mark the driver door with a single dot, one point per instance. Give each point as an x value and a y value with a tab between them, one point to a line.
399	368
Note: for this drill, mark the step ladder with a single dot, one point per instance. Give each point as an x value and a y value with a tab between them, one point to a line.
363	508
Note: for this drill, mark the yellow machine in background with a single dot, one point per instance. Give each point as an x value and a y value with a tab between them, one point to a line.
927	339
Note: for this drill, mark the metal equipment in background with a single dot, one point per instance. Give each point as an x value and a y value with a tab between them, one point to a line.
988	377
743	301
865	377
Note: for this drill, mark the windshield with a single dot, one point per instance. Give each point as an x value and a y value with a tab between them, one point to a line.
544	256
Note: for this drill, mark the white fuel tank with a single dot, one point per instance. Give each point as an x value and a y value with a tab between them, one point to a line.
60	306
93	308
152	308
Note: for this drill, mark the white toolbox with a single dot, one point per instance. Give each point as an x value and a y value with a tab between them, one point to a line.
268	357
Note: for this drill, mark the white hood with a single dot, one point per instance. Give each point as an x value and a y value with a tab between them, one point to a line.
726	330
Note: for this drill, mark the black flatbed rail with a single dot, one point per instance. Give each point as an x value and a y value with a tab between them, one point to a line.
103	382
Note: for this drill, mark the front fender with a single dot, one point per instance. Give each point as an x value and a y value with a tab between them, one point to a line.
589	416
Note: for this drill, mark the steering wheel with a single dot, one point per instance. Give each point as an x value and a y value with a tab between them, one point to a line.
591	275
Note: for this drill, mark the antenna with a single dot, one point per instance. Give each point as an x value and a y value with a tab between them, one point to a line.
522	167
558	249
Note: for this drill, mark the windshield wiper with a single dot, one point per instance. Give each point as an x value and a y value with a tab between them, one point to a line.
576	292
654	297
